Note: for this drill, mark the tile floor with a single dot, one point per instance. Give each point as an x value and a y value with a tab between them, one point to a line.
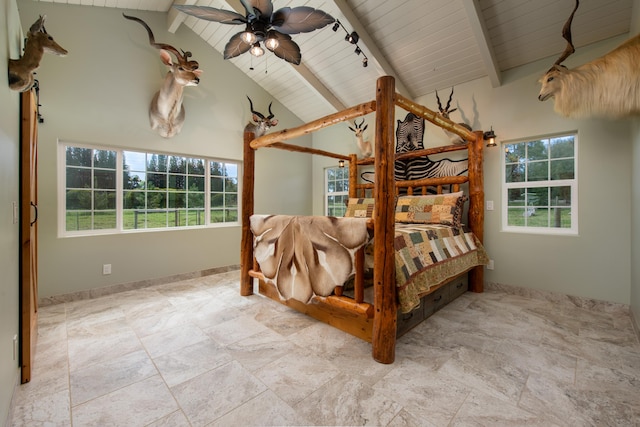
196	353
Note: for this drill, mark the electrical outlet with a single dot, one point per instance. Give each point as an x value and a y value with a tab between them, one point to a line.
106	269
489	205
490	265
15	212
15	347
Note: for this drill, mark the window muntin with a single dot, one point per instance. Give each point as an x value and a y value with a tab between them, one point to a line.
336	191
90	190
110	190
540	185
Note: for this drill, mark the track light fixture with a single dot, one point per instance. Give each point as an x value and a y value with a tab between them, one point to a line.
353	38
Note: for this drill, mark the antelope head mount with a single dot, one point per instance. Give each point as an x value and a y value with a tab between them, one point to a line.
364	146
166	112
21	71
446	112
261	124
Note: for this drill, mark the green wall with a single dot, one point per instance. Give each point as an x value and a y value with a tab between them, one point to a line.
635	198
9	194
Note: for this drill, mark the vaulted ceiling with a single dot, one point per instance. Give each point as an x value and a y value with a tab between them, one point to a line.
427	45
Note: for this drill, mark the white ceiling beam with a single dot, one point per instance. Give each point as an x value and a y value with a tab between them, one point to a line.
174	17
476	20
376	57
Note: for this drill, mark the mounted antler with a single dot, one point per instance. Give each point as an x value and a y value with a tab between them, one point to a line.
364	146
166	112
262	124
445	112
21	71
608	86
566	34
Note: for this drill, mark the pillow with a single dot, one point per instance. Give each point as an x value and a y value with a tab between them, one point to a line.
443	209
359	208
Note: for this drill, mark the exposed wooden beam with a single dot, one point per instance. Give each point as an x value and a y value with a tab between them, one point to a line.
476	20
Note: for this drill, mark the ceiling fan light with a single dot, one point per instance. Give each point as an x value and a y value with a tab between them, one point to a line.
248	37
256	50
365	62
358	50
272	43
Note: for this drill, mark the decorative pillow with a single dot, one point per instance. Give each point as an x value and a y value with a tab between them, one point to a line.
443	209
359	208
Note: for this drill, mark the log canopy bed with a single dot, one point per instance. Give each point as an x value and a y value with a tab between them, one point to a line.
305	254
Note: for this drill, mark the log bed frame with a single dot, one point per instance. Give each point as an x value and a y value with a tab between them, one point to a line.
377	322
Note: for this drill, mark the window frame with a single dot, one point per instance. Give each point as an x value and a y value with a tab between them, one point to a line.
327	193
549	183
120	191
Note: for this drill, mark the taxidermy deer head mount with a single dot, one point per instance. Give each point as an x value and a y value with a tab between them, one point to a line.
166	112
445	112
261	123
21	71
608	86
364	146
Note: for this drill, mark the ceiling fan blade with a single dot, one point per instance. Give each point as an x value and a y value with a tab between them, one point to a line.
236	46
302	19
212	14
287	49
264	6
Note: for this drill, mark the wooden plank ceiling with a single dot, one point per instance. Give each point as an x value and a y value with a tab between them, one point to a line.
427	45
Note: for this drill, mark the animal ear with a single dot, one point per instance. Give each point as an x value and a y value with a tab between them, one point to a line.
274	122
452	110
197	72
352	129
365	128
256	118
165	57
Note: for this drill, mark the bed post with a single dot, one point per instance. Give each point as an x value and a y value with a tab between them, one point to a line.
385	317
476	204
246	244
353	175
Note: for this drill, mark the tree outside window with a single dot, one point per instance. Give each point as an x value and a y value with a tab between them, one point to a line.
540	185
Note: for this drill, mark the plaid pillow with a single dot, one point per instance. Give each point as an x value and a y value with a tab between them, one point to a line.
443	209
359	208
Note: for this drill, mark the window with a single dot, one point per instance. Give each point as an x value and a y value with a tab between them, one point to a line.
110	190
336	191
540	185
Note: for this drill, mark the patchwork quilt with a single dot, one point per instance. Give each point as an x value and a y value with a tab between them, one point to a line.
427	255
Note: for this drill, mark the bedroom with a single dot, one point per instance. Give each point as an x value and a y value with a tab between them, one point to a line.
219	103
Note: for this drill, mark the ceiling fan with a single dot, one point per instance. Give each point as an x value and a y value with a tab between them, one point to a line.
264	25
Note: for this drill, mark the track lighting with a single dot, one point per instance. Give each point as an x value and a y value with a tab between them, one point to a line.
352	38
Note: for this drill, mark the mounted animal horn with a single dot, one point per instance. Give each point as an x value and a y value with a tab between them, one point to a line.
261	123
566	34
445	111
166	112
